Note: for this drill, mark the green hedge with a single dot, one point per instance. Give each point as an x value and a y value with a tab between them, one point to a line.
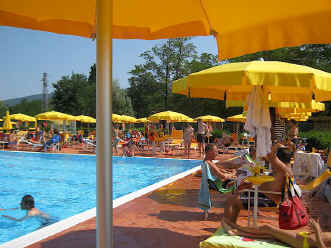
317	139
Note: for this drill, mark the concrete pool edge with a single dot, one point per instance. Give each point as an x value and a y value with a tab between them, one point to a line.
62	225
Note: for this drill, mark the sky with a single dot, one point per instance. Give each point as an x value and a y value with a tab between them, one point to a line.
26	54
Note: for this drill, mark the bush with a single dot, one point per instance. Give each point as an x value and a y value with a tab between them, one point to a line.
317	139
217	133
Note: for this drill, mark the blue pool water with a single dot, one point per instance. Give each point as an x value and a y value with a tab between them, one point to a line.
64	185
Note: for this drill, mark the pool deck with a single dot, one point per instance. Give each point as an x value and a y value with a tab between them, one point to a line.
166	217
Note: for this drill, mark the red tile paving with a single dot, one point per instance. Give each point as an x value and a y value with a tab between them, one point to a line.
167	217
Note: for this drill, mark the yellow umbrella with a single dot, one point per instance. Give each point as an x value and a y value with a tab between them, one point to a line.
169	116
293	107
142	120
279	24
189	120
23	117
7	124
273	25
1	119
128	119
53	115
237	118
209	118
279	80
85	119
116	118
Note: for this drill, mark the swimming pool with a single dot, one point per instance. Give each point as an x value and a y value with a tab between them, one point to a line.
64	185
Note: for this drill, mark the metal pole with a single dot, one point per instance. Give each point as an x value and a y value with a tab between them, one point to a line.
104	123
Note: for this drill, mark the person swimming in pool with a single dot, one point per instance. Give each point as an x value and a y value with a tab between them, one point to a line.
27	203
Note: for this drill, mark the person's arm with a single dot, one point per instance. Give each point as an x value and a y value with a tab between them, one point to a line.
15	219
221	173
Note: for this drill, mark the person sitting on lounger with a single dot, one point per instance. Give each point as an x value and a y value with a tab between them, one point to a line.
279	158
294	238
225	175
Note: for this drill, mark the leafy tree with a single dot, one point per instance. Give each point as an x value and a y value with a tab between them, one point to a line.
31	108
121	102
3	108
68	94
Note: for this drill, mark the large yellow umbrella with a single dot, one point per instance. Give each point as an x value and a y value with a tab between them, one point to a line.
169	116
209	118
7	124
280	82
278	24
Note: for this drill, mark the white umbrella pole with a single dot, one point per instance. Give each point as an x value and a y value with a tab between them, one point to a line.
104	123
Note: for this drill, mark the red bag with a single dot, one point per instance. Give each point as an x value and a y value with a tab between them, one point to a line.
292	213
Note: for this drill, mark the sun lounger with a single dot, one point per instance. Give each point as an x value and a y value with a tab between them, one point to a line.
220	239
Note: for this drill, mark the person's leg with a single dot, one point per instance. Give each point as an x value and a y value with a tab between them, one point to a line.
188	149
232	208
266	231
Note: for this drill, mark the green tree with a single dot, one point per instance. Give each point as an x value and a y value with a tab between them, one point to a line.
3	108
31	108
69	94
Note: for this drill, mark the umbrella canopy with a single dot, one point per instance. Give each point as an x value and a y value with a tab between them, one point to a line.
189	120
142	120
7	124
128	119
293	107
116	118
209	118
237	118
85	119
236	80
23	117
169	116
279	24
53	115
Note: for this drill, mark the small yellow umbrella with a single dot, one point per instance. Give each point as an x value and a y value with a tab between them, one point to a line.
128	119
142	120
85	119
53	115
168	116
7	124
293	107
116	118
209	118
189	120
237	118
23	117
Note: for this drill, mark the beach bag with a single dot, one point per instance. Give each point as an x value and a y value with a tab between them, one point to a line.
292	213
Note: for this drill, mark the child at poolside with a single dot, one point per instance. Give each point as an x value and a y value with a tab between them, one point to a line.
27	203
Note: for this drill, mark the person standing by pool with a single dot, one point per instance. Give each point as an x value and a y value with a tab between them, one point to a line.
202	130
188	136
27	203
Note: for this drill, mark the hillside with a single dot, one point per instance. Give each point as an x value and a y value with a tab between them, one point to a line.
14	101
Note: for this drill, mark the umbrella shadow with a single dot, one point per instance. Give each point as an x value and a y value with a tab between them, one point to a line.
175	216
